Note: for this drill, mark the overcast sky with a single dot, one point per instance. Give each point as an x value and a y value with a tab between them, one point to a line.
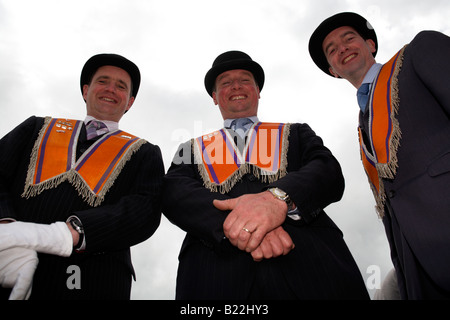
44	44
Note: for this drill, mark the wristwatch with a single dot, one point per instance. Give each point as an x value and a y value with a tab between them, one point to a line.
78	227
281	195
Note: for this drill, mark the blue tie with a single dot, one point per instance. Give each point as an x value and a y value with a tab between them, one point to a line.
241	125
363	96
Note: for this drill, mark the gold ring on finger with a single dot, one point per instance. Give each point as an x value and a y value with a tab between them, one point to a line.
246	230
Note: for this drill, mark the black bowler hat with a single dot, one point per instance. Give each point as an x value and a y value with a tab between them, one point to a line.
110	59
232	60
350	19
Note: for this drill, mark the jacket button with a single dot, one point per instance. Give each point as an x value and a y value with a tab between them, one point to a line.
391	194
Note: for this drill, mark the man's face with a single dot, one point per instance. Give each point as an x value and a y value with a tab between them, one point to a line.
108	95
348	54
237	94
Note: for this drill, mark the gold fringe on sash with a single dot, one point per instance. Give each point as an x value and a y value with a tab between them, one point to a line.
387	170
72	175
245	168
34	190
83	189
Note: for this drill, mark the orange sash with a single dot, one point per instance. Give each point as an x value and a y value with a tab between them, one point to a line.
54	160
221	164
384	131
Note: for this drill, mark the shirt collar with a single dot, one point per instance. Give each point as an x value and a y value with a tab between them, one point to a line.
227	122
372	73
112	125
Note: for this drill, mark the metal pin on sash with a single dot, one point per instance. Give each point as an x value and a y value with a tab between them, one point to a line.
63	125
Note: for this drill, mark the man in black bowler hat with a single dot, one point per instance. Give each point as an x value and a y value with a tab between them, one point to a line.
404	135
250	197
76	195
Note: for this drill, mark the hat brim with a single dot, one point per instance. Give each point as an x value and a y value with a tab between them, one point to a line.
360	24
243	64
107	59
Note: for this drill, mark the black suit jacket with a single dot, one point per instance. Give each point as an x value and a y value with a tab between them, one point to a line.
129	214
417	218
320	266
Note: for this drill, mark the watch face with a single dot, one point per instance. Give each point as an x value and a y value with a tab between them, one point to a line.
280	193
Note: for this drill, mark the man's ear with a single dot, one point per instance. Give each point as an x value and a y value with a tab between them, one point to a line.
371	45
334	74
215	98
130	103
85	90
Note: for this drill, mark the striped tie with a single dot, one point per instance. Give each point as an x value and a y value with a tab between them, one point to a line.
241	126
95	128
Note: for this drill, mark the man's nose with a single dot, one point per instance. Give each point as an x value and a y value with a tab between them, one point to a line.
111	87
342	48
236	84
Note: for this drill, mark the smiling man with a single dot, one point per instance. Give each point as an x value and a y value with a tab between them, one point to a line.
76	195
108	96
350	56
238	94
404	134
251	201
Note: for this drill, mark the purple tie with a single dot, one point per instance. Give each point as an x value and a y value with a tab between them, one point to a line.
95	128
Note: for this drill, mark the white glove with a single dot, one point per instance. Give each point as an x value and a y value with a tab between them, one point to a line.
17	266
54	238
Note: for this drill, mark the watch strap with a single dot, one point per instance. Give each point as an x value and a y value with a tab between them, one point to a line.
78	227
